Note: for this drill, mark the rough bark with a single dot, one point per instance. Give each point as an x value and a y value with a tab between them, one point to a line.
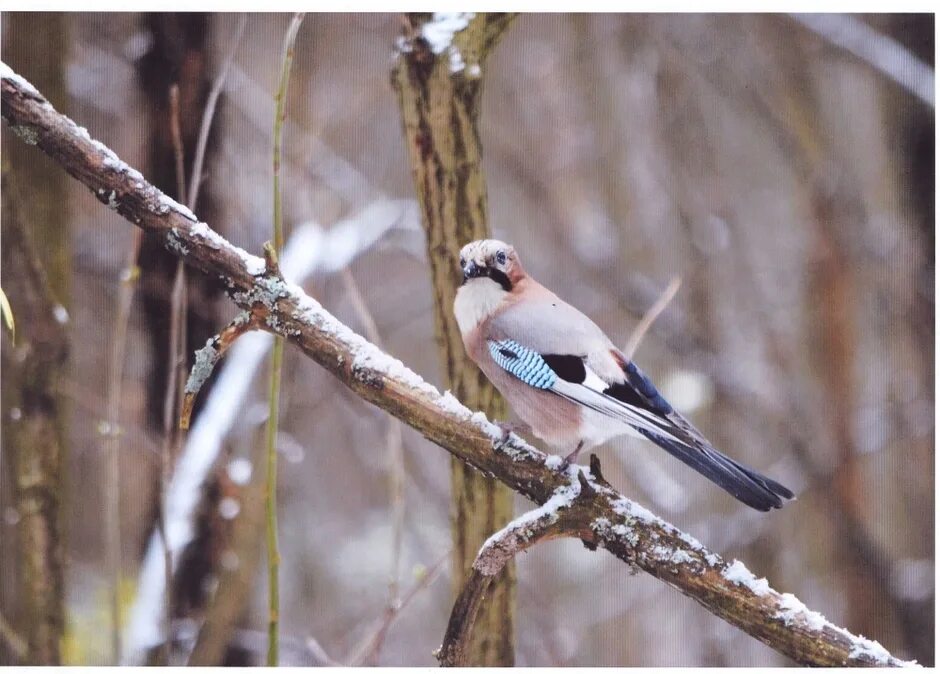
602	517
34	443
236	574
33	433
440	111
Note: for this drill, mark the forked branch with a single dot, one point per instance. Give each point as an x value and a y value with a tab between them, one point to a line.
556	518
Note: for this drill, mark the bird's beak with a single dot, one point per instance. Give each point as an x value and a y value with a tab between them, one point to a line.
472	270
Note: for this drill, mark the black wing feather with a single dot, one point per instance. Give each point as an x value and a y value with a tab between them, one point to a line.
569	368
687	444
745	484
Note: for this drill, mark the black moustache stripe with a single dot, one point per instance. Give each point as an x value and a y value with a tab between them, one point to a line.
500	278
493	274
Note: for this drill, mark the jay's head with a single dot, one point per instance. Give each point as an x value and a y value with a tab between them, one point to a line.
491	261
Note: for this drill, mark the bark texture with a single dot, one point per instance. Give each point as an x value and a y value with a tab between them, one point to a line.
36	271
440	107
33	434
596	513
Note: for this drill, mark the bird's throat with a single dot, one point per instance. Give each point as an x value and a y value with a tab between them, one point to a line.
477	300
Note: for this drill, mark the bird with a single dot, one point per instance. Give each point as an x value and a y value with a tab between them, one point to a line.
568	382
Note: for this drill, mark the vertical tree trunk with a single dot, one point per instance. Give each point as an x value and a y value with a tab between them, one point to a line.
440	86
36	266
179	54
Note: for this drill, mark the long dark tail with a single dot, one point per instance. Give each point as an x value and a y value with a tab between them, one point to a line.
745	484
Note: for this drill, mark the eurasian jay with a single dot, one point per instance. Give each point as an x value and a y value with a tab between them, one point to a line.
568	382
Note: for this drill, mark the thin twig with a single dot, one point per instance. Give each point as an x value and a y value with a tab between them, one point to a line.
176	137
319	654
195	178
206	359
277	355
650	317
176	351
15	643
367	650
393	442
112	432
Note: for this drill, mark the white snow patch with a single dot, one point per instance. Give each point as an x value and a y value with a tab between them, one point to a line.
7	73
174	205
627	508
666	554
862	647
792	608
546	513
553	461
739	574
456	59
440	30
402	45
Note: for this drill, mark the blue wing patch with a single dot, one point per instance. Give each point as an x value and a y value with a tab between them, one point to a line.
522	363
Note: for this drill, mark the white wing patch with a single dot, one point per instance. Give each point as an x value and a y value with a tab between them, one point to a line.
590	394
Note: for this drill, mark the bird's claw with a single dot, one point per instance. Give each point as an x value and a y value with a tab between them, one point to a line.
508	428
571	458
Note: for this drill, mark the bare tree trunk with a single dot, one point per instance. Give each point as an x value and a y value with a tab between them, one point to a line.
179	54
34	434
36	270
440	106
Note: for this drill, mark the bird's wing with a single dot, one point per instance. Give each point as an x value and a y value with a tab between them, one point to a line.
636	402
545	323
569	376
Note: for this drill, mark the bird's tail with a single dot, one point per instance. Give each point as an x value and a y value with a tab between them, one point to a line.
745	484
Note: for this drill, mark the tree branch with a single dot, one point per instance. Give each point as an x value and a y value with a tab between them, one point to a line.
550	520
606	518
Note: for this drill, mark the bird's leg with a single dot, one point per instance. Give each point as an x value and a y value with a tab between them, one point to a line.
508	427
571	457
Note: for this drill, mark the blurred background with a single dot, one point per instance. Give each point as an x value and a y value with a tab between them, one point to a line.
788	182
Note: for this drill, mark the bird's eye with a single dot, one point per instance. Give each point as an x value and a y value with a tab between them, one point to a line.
500	257
463	262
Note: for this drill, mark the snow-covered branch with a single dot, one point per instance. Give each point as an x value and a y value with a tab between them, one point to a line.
602	517
550	520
